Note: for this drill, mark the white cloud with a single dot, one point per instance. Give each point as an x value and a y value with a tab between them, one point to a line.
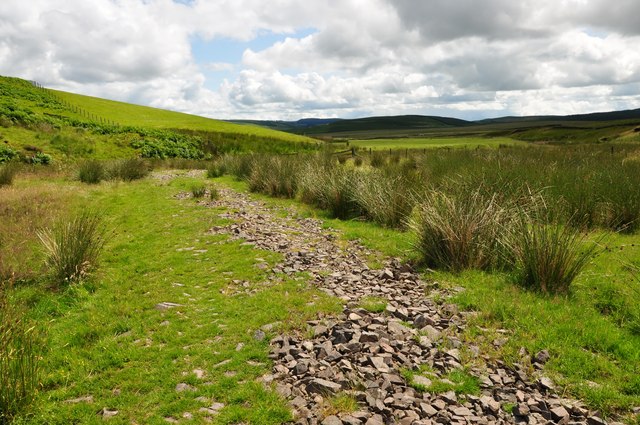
470	58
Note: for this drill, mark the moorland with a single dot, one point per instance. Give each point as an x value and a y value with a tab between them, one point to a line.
115	300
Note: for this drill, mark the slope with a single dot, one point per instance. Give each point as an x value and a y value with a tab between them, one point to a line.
38	124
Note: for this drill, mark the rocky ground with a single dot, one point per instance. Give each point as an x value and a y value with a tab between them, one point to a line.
397	348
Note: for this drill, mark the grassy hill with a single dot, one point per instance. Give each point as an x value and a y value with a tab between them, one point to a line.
396	123
37	123
585	128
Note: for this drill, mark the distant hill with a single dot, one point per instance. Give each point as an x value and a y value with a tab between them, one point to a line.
401	122
570	128
290	126
631	114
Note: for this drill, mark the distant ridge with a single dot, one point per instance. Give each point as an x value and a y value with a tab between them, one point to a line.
629	114
527	127
400	122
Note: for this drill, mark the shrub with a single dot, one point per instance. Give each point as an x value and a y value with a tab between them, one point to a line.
129	169
548	257
19	369
357	161
7	154
461	230
91	172
7	174
41	158
198	191
73	247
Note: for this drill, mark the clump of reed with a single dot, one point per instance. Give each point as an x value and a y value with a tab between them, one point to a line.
73	246
19	358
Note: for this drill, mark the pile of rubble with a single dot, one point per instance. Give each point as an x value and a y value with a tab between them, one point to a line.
379	358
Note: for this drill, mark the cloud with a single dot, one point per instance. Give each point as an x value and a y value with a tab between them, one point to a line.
470	58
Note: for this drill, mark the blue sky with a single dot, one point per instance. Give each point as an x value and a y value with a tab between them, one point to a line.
229	51
292	59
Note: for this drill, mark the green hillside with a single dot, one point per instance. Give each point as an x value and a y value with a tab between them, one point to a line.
144	116
38	124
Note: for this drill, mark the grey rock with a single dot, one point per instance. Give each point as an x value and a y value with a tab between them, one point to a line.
332	420
541	357
322	386
546	383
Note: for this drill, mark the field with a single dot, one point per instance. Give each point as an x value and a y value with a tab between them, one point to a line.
134	292
429	143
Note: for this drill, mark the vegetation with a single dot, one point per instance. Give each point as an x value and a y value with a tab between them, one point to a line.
91	172
198	190
559	221
40	125
7	174
19	359
73	247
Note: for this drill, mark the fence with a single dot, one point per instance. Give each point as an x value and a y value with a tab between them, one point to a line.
74	108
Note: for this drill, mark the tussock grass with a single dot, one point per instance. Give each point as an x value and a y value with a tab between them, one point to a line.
275	176
386	200
7	174
129	169
216	169
214	193
23	209
19	359
91	172
73	246
548	257
331	188
198	190
461	230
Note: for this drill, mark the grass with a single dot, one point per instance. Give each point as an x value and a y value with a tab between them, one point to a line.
462	230
7	174
129	169
198	190
24	208
548	258
340	403
19	359
458	381
144	116
106	339
73	246
374	304
434	142
91	172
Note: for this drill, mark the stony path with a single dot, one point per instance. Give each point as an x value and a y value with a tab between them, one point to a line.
364	353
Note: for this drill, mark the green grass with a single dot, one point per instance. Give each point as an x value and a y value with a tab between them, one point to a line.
35	123
434	142
144	116
107	340
458	381
374	304
593	333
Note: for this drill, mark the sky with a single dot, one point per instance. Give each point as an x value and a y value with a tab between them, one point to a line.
293	59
